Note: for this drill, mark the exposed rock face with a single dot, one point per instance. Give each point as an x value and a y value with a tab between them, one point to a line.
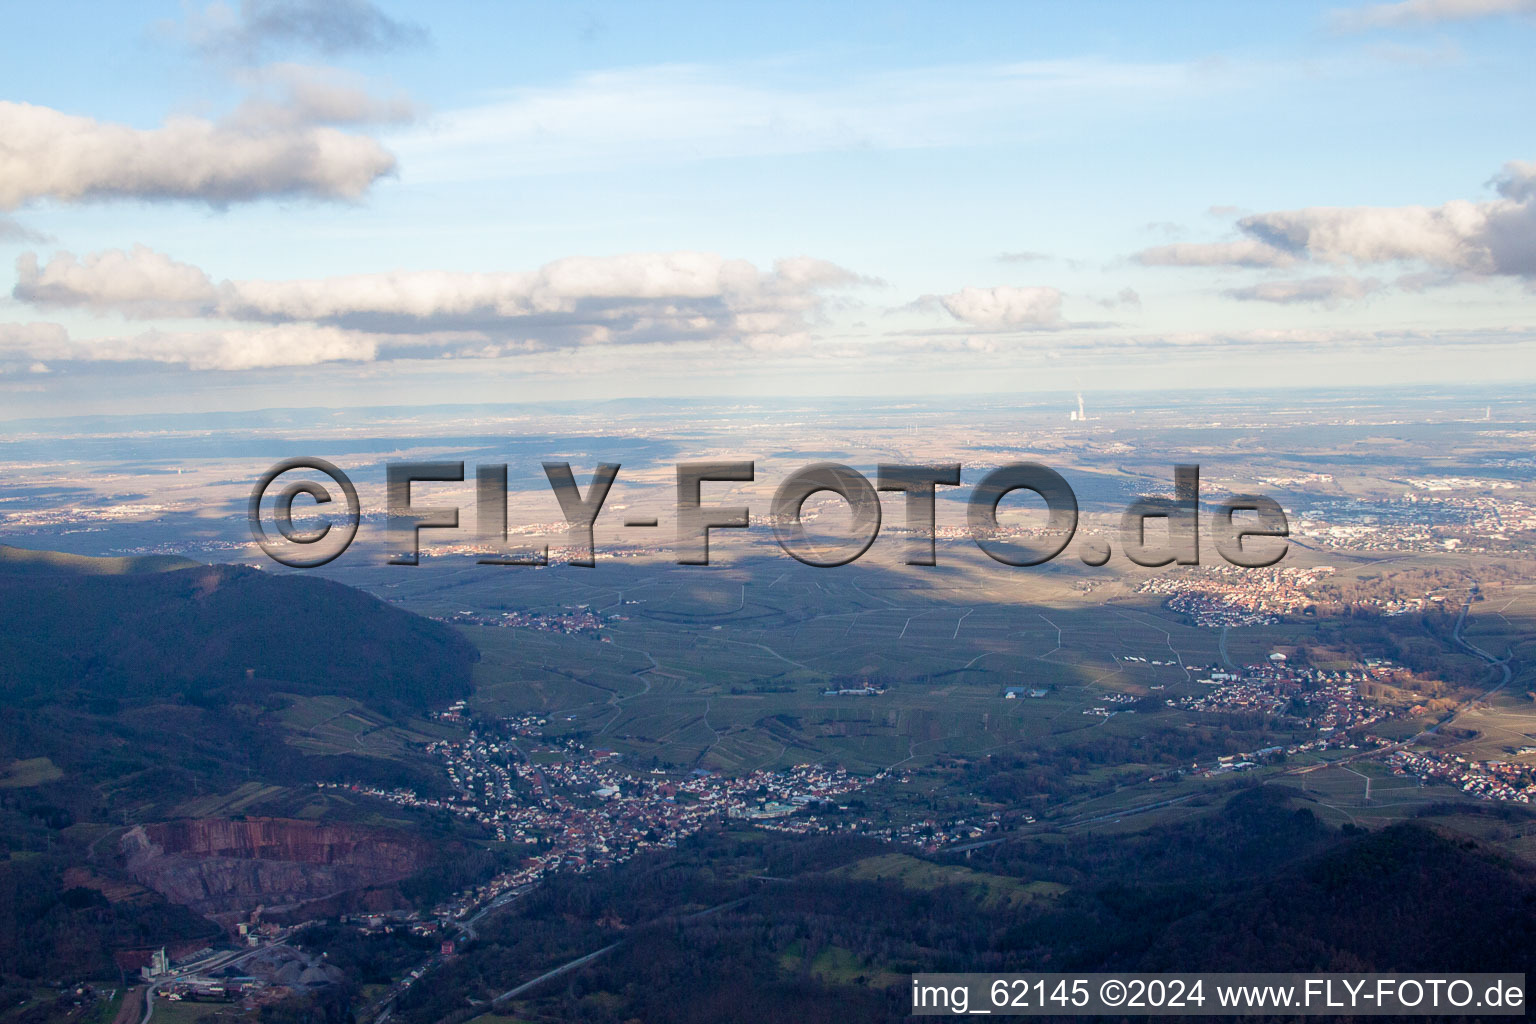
216	865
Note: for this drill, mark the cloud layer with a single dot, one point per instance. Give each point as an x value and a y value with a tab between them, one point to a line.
632	299
1246	252
1327	291
287	345
1462	238
48	154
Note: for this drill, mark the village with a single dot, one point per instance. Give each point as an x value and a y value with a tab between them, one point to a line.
578	808
1225	595
1489	780
1435	514
569	621
1328	701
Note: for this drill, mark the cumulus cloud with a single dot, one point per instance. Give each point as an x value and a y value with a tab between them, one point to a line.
1327	291
1490	237
282	345
634	298
32	341
1424	12
1004	306
265	347
1442	235
1493	237
137	283
1246	252
326	26
45	153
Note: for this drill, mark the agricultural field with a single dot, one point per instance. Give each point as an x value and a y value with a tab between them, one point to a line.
728	667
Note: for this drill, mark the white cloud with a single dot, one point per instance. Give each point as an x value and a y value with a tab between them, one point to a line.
1004	306
284	345
1493	237
1442	235
45	153
1244	253
1424	12
138	283
635	298
32	341
1326	291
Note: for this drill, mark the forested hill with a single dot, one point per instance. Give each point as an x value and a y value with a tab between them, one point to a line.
52	563
134	630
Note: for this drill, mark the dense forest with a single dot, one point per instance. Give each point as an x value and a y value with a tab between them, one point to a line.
50	932
169	675
215	634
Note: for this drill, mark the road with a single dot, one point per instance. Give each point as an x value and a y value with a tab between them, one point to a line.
564	968
1501	663
571	965
1042	826
1225	657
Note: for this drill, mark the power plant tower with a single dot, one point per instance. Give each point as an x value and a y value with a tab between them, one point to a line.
1078	414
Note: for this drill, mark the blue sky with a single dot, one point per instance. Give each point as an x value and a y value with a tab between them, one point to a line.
283	202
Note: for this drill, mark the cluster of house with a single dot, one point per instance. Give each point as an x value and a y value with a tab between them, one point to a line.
1460	484
1432	521
570	621
1227	595
1491	780
579	808
1326	700
1112	704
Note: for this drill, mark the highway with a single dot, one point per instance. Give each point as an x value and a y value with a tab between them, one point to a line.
571	965
564	968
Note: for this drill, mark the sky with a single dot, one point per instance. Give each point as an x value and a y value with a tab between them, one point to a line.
260	203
